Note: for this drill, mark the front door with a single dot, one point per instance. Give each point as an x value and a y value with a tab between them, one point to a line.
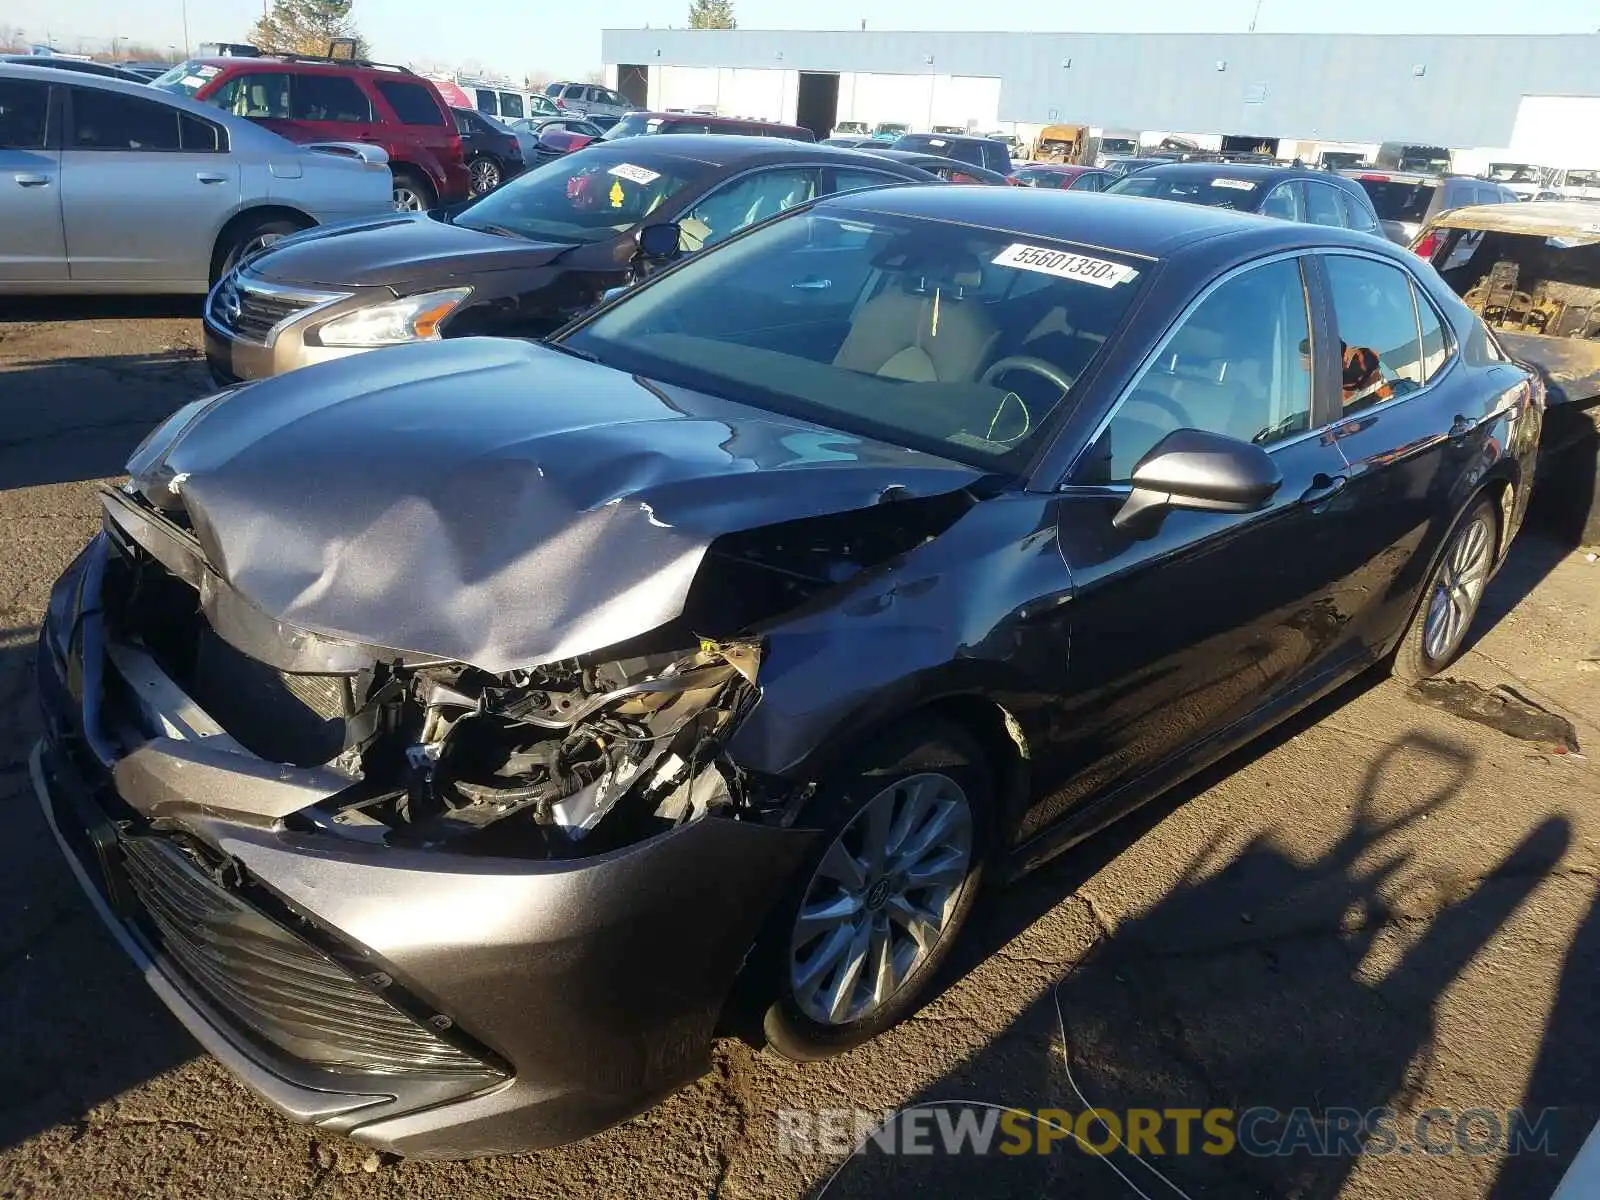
1179	635
145	190
32	245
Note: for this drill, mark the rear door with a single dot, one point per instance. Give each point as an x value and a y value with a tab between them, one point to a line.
1409	412
145	190
32	243
324	107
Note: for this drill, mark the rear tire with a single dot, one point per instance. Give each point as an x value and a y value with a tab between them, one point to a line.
907	826
1450	601
247	239
486	175
412	193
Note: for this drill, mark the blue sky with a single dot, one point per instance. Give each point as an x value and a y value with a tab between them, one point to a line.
514	36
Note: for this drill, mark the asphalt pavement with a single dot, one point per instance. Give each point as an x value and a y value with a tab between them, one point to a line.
1387	903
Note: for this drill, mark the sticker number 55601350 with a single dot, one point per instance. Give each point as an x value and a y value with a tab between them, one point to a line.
1082	267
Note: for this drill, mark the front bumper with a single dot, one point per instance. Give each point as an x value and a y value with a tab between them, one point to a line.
569	994
237	360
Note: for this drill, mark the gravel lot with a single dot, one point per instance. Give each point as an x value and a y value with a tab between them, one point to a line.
1384	904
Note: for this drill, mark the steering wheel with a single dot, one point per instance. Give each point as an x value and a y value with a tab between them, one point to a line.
1169	406
1026	362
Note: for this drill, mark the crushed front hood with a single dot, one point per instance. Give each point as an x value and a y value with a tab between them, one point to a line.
495	502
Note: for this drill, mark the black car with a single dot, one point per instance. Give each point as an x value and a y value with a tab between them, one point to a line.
81	66
457	734
988	153
1290	193
854	143
522	260
949	169
492	151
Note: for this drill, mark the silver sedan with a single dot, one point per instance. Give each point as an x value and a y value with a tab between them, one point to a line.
108	186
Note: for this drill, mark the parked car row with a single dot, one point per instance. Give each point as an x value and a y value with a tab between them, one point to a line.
461	736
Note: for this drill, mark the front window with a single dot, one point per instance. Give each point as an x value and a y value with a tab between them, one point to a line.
1118	146
568	201
933	335
259	95
1240	364
1214	191
511	105
743	202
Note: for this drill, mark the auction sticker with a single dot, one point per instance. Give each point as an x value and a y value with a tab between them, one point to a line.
633	174
1238	185
1098	271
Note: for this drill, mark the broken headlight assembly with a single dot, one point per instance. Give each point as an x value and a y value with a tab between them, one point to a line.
533	762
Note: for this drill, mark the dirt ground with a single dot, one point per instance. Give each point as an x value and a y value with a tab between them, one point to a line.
1383	904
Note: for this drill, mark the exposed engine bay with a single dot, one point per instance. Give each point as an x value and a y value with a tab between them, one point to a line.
570	757
1526	284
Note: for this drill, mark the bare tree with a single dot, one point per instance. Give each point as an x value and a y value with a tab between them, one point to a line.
597	77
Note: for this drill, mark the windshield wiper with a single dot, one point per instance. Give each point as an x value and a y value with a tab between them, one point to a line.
572	350
500	230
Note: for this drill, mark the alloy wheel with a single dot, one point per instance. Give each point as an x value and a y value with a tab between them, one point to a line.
881	899
1458	588
408	199
485	176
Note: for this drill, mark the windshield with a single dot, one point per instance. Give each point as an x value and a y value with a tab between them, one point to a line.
1515	173
1118	145
892	127
915	342
1214	191
186	78
587	199
1395	201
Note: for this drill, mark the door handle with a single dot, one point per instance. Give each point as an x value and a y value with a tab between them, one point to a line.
1324	486
32	180
811	285
210	177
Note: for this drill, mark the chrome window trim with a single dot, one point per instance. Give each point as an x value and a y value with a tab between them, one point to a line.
315	300
1416	288
1178	322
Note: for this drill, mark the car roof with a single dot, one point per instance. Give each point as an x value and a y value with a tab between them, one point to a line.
654	115
953	137
1546	218
1072	169
724	149
1157	229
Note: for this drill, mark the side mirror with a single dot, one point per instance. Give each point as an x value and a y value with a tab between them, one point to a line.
659	243
1190	468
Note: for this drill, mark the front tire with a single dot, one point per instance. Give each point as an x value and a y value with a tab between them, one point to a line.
1450	601
907	827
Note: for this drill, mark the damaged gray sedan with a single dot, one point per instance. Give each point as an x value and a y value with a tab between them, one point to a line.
462	735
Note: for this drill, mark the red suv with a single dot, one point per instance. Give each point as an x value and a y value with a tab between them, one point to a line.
330	100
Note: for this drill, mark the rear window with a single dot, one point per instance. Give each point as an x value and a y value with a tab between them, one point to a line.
1399	201
1218	190
511	105
413	103
329	98
924	143
186	78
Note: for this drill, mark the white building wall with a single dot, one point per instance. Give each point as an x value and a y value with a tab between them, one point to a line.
1557	131
920	100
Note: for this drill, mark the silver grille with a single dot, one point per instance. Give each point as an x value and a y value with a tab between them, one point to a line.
254	311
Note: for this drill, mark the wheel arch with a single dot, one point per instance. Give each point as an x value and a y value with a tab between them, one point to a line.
253	213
